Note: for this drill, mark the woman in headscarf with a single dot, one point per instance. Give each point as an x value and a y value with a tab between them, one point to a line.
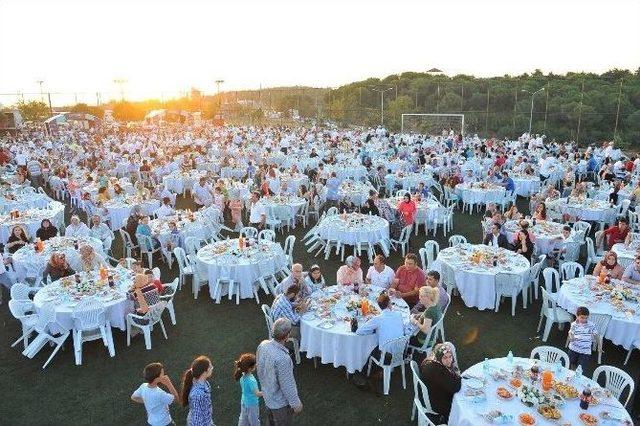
57	267
46	230
610	265
89	259
442	378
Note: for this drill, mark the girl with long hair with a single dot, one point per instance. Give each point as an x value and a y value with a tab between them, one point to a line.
196	392
249	404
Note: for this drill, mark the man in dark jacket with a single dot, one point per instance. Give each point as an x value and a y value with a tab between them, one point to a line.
495	237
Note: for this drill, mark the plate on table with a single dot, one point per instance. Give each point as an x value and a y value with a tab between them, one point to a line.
326	325
474	383
309	316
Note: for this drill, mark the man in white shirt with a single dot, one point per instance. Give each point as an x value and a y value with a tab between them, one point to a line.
380	274
165	209
156	401
202	194
101	231
388	325
76	229
257	212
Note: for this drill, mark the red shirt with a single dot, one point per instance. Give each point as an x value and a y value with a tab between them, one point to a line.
614	235
408	211
158	285
409	281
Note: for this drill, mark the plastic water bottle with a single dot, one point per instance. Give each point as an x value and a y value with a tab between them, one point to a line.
558	367
485	367
579	372
510	358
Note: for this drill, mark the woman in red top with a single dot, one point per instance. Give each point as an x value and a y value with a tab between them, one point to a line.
407	208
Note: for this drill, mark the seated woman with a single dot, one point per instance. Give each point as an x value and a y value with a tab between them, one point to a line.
145	230
370	205
522	242
143	294
442	378
89	259
103	195
513	213
346	205
57	267
429	297
610	265
407	208
541	212
17	239
46	230
314	279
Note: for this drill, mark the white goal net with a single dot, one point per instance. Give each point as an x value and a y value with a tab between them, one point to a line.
432	124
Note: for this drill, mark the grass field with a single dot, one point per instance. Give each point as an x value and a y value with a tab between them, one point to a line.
98	391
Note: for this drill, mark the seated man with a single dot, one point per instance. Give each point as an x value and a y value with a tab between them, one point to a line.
508	183
495	237
101	231
257	212
380	274
296	278
283	308
202	193
165	209
388	326
350	272
613	235
76	229
409	278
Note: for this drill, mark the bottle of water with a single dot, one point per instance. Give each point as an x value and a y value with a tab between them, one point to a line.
510	358
558	367
579	372
485	367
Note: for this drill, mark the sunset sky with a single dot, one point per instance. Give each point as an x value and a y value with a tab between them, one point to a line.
169	46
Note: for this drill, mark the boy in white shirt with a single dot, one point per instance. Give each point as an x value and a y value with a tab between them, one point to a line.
581	335
156	401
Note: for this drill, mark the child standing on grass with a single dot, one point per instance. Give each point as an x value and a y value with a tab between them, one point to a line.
250	404
581	335
156	401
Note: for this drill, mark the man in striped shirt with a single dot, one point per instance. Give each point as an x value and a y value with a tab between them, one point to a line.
275	372
581	335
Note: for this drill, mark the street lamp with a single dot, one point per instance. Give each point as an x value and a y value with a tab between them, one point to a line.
531	112
218	83
382	102
41	93
120	82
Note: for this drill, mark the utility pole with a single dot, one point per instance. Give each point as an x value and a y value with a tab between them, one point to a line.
546	109
486	118
41	93
218	83
120	82
615	129
382	102
531	111
580	114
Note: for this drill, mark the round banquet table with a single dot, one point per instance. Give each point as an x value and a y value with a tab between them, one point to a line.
477	283
295	180
355	228
545	233
119	210
628	253
188	228
283	207
357	192
124	183
178	181
623	194
474	194
624	326
115	300
427	209
587	209
245	266
28	263
526	185
31	219
408	180
347	171
24	201
466	411
337	345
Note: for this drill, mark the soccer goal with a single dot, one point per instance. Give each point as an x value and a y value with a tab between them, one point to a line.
432	124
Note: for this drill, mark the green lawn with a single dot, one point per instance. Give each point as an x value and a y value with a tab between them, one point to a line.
98	392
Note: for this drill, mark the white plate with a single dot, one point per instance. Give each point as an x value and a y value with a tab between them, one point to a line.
309	316
327	325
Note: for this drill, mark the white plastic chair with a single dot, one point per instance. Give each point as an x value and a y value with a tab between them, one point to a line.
49	331
430	339
534	276
289	242
421	405
553	314
423	258
90	323
455	240
582	226
571	253
146	245
552	281
403	240
146	322
23	311
266	310
601	321
571	270
592	257
616	380
267	235
634	345
432	250
249	232
185	270
20	291
550	354
169	292
127	242
510	285
396	348
224	278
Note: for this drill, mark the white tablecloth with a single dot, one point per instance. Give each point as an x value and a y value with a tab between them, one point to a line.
354	228
464	411
117	308
477	284
357	192
119	210
408	180
525	186
588	209
31	220
476	195
160	227
427	209
338	345
283	208
28	263
268	257
625	252
24	201
623	328
177	181
545	234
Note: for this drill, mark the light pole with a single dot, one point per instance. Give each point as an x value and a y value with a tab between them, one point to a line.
120	82
218	83
382	102
531	112
41	93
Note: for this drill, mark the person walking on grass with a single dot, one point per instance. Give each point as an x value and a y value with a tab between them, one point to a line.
196	392
156	400
249	404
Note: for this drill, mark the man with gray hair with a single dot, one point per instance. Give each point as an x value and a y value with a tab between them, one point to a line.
275	372
296	278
